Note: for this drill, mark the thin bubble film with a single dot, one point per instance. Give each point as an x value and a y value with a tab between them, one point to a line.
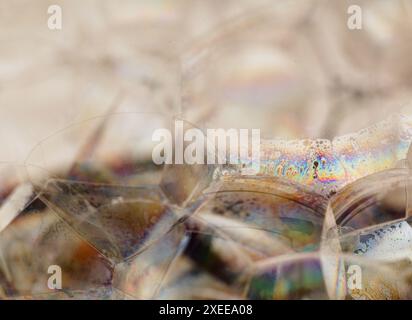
330	165
286	215
297	279
38	239
118	221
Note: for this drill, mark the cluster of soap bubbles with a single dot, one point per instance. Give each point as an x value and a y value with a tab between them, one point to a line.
324	218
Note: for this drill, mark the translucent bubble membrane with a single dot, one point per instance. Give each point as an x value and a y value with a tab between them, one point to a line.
187	281
37	239
119	221
143	275
296	279
247	237
304	277
373	200
193	255
158	234
108	188
330	165
280	215
117	149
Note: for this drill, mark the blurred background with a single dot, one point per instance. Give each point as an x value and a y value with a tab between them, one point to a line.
291	68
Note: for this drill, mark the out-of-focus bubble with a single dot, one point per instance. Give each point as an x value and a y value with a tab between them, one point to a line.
118	221
216	253
279	213
186	280
295	278
142	276
373	200
116	148
38	239
304	277
104	193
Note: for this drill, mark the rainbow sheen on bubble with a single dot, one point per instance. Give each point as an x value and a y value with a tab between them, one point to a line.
330	165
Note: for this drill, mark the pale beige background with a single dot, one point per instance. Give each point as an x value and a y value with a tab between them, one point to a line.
300	71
